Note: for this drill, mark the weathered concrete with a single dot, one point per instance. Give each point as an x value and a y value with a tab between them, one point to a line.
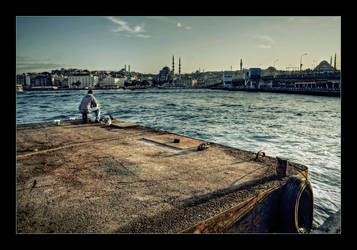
125	178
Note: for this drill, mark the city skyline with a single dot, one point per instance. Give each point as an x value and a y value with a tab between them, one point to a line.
148	43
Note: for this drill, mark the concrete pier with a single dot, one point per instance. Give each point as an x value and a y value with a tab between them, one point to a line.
126	178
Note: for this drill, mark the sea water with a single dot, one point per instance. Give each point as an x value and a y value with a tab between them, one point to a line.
305	128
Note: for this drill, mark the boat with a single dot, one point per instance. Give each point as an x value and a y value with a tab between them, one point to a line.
19	88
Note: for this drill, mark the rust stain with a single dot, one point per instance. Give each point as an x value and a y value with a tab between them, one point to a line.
221	222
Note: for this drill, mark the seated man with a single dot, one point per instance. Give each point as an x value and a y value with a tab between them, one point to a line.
89	104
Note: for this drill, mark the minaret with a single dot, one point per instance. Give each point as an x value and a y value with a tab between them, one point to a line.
334	65
331	61
179	66
241	65
173	65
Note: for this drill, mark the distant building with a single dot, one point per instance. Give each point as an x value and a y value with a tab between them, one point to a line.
252	77
165	75
324	66
28	80
227	78
57	79
113	82
21	79
183	83
270	71
82	81
41	80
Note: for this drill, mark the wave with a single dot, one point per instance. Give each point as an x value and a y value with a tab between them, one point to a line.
58	117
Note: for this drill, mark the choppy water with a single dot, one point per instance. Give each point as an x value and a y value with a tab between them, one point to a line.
305	128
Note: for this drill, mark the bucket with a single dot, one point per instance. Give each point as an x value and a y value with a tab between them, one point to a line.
107	121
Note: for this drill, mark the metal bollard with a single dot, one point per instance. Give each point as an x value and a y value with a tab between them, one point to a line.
282	166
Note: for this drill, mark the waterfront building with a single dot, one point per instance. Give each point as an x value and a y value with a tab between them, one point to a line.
41	80
165	75
101	75
227	78
28	80
21	79
270	71
184	82
82	80
252	77
324	66
64	82
265	84
57	79
113	82
133	78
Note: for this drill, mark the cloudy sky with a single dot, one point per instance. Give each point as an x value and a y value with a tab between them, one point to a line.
147	43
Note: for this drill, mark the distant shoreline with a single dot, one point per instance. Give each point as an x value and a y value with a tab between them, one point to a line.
304	91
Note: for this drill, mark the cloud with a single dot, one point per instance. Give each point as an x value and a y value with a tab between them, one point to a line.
169	20
143	36
179	25
264	46
124	26
265	38
27	64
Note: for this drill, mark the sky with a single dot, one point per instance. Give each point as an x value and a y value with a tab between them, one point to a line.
148	43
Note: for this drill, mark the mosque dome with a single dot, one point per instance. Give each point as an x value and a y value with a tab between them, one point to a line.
166	68
324	66
271	68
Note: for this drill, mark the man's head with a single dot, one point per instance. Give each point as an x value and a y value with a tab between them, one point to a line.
90	92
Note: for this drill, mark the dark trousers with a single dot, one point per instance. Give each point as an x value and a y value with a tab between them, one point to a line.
85	117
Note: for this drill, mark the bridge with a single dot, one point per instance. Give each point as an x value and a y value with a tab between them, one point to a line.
315	83
312	79
313	76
